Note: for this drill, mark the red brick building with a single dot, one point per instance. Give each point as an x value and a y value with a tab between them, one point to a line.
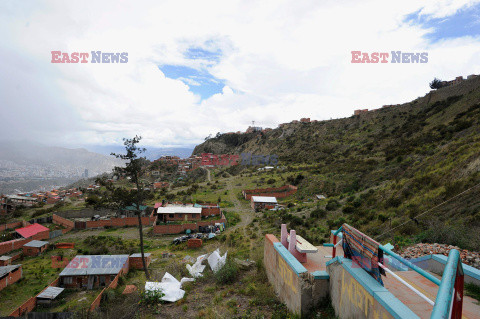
263	202
172	213
35	231
93	271
10	275
135	260
34	248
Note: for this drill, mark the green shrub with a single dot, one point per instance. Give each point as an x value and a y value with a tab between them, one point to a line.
228	273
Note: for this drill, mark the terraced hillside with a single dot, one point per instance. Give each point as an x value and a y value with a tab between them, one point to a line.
384	168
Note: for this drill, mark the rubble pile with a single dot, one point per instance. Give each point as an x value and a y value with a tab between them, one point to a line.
468	257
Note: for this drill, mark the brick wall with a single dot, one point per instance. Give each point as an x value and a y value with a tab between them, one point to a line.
207	211
12	225
120	222
41	235
136	262
278	192
177	229
113	284
11	278
63	221
10	245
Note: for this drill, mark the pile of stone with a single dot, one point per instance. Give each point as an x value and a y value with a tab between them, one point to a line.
468	257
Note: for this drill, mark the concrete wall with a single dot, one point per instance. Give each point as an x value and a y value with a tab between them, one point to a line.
355	294
436	264
294	285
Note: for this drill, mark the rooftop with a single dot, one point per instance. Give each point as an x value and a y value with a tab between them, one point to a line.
50	293
5	270
264	199
138	255
36	243
31	230
95	265
179	209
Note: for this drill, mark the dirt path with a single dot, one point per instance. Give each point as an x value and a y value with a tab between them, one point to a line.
246	213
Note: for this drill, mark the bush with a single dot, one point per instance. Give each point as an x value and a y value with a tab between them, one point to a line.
228	273
151	297
318	213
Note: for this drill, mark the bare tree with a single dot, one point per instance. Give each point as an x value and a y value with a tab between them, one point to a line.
133	170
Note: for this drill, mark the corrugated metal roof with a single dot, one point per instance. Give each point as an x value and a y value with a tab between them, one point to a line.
264	199
36	243
179	210
139	255
95	265
5	270
5	257
31	230
50	293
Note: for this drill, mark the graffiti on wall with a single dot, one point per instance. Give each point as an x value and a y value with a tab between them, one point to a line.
354	293
286	273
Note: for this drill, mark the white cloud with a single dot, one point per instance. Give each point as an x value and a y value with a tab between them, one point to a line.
281	60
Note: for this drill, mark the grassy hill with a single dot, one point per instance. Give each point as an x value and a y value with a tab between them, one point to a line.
382	169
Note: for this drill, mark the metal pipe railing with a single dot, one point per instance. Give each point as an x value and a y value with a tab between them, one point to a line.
407	284
422	272
446	292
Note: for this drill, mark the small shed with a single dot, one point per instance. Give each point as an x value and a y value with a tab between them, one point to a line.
9	275
5	260
135	260
263	202
34	248
49	294
93	270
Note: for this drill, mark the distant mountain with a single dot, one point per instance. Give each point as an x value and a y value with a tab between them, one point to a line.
151	154
28	166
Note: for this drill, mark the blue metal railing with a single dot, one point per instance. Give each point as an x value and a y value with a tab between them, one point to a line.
448	288
422	272
447	305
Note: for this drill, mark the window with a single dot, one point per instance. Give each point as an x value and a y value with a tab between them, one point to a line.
67	280
180	215
170	215
193	215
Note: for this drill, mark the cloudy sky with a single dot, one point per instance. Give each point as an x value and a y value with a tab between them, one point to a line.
200	67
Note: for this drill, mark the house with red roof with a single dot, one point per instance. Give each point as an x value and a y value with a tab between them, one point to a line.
34	231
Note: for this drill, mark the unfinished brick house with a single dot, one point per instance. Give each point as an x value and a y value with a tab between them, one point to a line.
9	275
135	260
171	213
263	202
93	271
34	248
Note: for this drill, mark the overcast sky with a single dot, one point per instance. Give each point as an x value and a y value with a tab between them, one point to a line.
199	67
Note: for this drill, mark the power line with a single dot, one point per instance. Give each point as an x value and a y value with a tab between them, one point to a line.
427	211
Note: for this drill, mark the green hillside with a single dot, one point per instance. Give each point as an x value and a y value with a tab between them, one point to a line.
383	168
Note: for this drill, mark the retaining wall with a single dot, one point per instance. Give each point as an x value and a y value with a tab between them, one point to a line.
294	285
355	294
436	264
